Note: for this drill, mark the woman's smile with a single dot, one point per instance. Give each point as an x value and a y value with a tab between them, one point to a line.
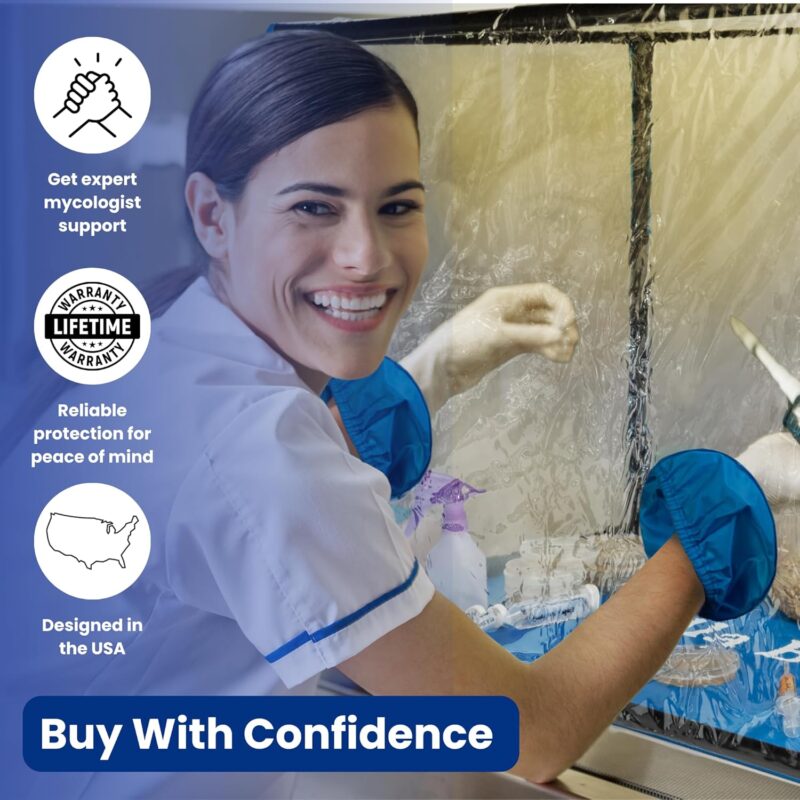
352	310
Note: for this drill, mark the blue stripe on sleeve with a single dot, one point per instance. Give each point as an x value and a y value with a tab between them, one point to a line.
335	627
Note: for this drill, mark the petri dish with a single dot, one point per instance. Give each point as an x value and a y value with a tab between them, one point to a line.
698	666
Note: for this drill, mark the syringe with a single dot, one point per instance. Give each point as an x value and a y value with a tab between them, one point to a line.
488	619
536	613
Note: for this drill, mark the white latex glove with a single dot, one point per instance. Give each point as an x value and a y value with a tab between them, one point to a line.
774	461
502	323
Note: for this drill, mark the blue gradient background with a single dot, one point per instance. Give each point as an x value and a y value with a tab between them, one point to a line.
178	47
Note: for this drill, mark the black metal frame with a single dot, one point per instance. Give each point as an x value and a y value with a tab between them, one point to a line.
550	24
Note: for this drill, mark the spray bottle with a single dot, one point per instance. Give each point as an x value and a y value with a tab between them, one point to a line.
456	564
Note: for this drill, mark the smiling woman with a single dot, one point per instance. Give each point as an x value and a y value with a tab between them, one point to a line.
322	268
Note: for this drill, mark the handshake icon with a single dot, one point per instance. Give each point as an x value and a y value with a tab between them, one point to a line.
91	98
92	95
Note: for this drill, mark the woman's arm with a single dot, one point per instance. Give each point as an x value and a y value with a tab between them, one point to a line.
567	697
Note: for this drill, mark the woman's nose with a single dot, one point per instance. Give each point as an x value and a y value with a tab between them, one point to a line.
361	248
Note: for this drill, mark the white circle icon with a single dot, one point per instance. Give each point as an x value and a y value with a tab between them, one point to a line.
92	95
92	326
92	541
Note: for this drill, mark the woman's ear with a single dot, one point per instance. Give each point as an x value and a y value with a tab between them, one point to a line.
208	211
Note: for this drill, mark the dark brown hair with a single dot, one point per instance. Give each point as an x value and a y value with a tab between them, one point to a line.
274	90
265	95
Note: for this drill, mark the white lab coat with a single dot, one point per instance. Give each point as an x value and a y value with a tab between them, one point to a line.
275	553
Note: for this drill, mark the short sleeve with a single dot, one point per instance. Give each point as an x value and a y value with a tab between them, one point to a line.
280	528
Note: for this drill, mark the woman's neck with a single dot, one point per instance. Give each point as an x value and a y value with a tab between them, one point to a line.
316	381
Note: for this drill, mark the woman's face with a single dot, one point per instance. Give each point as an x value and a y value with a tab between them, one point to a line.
326	246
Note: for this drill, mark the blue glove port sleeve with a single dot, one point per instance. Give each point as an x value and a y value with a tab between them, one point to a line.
724	523
387	418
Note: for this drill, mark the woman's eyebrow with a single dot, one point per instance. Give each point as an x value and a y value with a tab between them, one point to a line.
337	191
398	188
322	188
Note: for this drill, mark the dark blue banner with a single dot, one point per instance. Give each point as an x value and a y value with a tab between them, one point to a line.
271	734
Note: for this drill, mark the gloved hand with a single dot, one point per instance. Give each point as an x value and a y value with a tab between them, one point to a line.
774	461
724	524
502	323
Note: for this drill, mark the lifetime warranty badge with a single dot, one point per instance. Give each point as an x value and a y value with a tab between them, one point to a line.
92	326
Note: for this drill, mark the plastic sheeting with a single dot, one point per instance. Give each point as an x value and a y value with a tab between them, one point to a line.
527	156
646	163
544	196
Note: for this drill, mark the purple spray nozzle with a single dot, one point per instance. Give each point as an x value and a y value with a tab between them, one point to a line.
451	493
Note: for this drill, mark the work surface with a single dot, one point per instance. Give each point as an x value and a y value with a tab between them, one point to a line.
736	720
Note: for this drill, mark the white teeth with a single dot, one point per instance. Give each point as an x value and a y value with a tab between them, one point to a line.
352	316
349	302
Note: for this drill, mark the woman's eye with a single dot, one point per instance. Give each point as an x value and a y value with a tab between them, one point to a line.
399	208
313	208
